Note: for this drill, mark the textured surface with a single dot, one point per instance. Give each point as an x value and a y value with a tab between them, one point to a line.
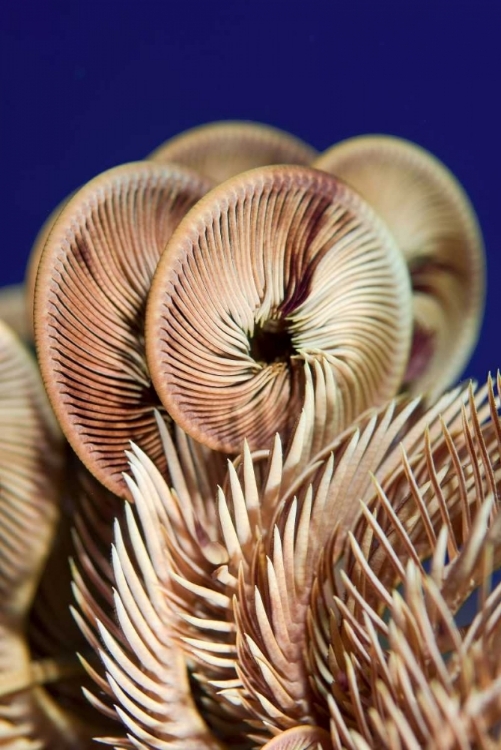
31	476
241	590
436	229
31	462
387	618
276	267
223	149
94	276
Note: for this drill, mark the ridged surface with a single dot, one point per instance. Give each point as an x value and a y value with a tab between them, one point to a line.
386	618
435	227
31	462
194	472
276	267
225	587
30	276
146	683
276	588
88	511
93	279
31	475
223	149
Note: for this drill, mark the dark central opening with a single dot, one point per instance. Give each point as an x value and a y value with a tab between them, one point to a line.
271	343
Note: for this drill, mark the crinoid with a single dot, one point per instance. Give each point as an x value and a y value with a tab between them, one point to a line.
223	149
404	623
274	268
434	224
256	535
242	602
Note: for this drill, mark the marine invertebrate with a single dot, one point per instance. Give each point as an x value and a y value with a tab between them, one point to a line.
221	150
30	275
273	268
394	657
436	228
32	458
236	598
93	278
283	596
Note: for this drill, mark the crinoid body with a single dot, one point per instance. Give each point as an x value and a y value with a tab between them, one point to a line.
260	533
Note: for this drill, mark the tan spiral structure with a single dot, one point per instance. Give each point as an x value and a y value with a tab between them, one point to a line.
435	227
92	283
223	149
276	267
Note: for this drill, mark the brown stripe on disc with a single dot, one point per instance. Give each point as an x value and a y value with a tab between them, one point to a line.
93	279
223	149
434	225
277	266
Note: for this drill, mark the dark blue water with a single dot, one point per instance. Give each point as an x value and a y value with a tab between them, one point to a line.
87	85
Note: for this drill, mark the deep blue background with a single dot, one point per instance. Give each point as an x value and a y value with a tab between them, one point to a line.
86	86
